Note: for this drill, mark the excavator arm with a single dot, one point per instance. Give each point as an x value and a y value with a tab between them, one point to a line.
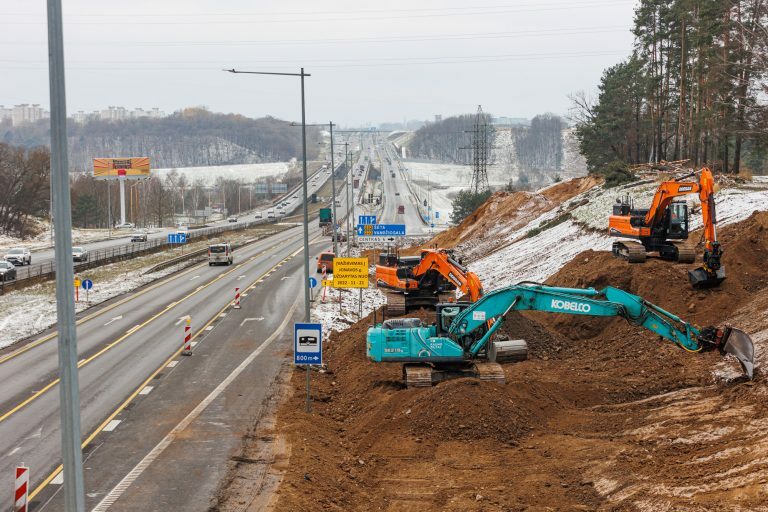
464	279
608	302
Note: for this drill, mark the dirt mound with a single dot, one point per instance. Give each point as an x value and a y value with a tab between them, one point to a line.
602	416
505	212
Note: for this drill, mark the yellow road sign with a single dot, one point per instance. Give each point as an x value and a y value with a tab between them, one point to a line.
327	282
350	273
77	283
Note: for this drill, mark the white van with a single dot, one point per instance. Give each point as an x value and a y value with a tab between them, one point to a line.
220	253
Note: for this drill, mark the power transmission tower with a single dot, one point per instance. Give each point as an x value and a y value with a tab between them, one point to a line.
480	153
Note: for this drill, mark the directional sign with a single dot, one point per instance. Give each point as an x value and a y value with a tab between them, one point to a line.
350	273
87	284
307	344
376	239
177	238
437	215
312	282
381	230
366	219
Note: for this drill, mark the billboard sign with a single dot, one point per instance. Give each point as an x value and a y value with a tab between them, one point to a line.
127	168
279	188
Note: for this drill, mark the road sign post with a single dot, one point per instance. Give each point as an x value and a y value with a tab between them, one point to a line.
312	283
87	284
307	350
77	284
350	272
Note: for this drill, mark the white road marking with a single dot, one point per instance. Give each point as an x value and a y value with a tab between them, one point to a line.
133	329
209	328
240	277
59	479
284	278
199	288
259	319
146	390
193	278
183	319
172	364
169	306
14	451
222	315
193	344
131	477
244	295
112	425
114	319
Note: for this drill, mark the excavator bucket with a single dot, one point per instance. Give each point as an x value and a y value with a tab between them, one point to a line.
739	345
700	278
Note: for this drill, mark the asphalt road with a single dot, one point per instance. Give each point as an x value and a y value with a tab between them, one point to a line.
397	193
122	344
122	237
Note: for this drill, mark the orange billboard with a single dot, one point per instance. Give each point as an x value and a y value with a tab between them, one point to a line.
114	168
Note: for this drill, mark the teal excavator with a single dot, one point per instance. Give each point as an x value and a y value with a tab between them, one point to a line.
463	340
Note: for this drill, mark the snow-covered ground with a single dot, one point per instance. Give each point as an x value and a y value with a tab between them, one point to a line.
43	240
29	311
244	172
532	258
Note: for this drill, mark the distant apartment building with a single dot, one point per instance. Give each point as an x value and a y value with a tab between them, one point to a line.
113	114
5	113
26	113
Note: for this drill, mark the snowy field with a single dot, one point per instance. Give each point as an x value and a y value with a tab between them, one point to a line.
245	172
43	240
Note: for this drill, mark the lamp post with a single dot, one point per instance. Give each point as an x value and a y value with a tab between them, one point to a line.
307	312
346	182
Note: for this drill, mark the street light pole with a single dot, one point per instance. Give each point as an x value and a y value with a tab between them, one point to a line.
69	389
305	284
346	187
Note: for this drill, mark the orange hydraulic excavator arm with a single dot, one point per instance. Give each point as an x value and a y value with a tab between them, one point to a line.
465	280
669	190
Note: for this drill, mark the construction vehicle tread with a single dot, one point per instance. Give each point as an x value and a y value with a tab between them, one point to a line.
395	304
633	252
417	375
490	372
685	252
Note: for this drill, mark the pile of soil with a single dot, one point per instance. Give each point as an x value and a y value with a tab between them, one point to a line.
511	211
602	416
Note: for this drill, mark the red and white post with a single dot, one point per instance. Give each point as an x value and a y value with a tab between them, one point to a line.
21	489
237	299
325	274
187	338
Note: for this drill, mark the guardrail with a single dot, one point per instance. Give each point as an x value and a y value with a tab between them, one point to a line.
27	276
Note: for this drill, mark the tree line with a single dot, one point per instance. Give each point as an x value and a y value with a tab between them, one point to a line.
190	137
693	88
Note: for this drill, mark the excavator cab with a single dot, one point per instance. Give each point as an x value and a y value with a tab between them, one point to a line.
676	221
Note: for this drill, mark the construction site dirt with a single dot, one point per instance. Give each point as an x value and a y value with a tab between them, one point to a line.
602	415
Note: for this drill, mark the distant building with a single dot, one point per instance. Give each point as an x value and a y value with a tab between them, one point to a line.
5	113
26	113
438	118
80	116
113	114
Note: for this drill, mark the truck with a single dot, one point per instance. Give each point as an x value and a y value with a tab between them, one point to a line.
401	209
325	217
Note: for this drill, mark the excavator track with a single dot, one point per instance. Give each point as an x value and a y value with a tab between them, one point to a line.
417	375
395	304
633	252
490	372
685	252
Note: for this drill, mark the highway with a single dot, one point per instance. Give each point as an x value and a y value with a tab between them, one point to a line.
125	346
316	180
397	193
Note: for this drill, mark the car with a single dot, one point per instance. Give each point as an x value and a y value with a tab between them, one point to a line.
232	219
257	215
220	253
125	225
325	260
295	196
280	206
282	212
270	214
397	193
19	256
7	271
340	237
79	254
139	236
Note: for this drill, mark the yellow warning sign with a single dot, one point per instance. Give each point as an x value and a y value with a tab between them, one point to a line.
327	282
350	273
77	282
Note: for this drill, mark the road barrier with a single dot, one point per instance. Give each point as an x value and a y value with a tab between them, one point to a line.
21	489
237	299
187	338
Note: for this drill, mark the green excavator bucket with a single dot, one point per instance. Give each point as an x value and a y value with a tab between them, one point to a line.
739	345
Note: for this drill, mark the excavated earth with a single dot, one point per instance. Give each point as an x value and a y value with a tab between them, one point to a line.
602	416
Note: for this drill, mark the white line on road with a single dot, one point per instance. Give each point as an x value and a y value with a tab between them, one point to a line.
240	277
114	319
133	329
222	315
193	278
259	319
209	328
59	479
112	425
182	319
146	390
131	477
172	364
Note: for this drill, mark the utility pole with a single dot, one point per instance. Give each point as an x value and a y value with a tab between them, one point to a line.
69	389
346	182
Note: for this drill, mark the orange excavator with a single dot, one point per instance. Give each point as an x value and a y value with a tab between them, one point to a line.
664	226
425	280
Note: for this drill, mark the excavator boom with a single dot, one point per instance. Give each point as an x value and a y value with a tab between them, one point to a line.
463	332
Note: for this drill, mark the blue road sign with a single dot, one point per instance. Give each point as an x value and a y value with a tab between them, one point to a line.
366	219
177	238
87	284
312	282
381	230
437	215
307	344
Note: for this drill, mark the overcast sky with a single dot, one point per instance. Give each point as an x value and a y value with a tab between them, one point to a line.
370	62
